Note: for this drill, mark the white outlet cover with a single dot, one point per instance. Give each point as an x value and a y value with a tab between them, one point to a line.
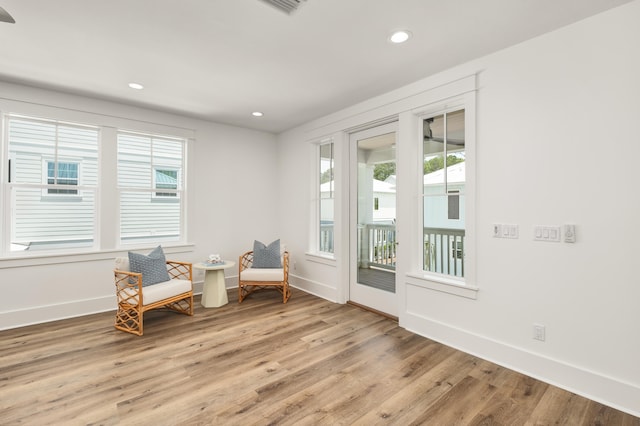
539	332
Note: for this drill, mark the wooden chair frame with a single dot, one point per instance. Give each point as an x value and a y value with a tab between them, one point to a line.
130	295
246	287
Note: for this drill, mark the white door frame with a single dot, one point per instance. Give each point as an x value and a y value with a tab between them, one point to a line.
376	299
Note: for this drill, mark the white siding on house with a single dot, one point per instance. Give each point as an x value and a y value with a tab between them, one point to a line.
143	213
436	199
39	217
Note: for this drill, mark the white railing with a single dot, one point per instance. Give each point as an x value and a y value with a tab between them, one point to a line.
444	251
326	238
444	248
378	245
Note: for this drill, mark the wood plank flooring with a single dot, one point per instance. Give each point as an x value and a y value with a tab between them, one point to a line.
309	362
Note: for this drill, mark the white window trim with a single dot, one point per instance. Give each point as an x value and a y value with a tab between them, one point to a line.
316	196
407	104
177	190
464	287
45	179
152	190
106	241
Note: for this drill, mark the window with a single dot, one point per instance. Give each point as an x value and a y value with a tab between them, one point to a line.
62	173
66	187
52	182
453	209
147	164
326	197
443	192
165	179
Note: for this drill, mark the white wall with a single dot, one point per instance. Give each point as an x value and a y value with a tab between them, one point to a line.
557	142
233	187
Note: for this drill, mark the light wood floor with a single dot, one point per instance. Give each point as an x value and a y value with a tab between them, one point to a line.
307	362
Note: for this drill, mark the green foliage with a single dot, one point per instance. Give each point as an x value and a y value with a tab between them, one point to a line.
326	176
437	163
384	170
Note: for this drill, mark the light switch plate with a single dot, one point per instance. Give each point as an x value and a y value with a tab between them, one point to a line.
569	233
546	233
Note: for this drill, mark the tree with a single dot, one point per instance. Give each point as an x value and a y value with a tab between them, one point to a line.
383	170
437	163
326	176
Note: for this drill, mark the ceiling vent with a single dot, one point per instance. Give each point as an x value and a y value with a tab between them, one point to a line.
287	6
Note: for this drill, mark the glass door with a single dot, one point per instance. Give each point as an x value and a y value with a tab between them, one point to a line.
373	219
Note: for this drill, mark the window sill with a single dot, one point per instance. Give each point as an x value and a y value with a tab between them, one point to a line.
51	258
442	284
325	259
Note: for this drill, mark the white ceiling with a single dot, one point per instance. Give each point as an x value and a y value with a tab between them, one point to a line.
222	59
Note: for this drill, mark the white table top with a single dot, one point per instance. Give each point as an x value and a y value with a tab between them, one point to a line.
214	266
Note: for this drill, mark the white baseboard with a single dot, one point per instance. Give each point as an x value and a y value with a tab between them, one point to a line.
314	287
308	286
77	308
48	313
597	387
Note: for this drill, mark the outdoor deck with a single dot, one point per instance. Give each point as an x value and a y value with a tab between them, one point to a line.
378	278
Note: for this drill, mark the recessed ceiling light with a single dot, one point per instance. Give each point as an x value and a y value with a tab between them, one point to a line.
257	114
136	86
400	36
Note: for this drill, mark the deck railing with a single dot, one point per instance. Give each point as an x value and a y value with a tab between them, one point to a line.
326	238
444	248
378	244
444	251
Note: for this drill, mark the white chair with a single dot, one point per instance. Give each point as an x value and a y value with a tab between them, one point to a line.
134	299
254	279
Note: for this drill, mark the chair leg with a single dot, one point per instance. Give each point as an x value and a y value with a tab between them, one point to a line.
129	320
182	306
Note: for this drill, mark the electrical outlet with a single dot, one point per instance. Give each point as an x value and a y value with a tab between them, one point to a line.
539	332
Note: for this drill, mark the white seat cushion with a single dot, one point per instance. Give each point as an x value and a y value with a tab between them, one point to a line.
262	274
155	292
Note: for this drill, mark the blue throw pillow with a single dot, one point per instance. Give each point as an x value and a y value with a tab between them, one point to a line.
266	256
153	266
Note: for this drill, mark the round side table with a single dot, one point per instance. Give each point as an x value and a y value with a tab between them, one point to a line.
214	291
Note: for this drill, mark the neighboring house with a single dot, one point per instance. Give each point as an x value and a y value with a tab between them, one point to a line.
149	182
443	239
445	211
437	205
54	172
383	202
43	154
